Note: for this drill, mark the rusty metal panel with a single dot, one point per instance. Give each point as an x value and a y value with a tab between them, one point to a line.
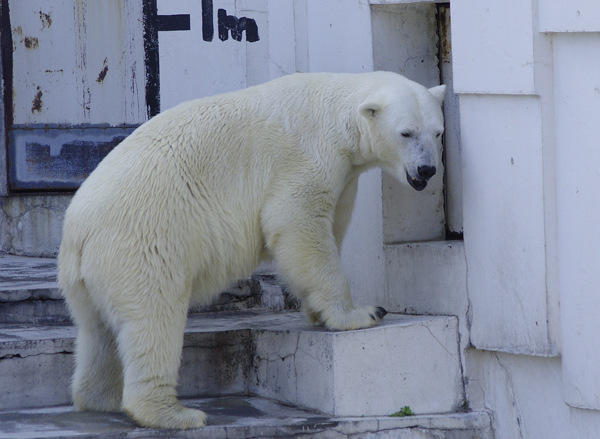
58	158
3	125
77	81
83	63
77	62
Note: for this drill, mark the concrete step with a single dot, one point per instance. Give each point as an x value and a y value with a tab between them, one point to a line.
244	417
404	361
29	292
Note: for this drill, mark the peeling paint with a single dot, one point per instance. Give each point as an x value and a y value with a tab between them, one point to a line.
103	72
52	157
31	42
37	101
46	20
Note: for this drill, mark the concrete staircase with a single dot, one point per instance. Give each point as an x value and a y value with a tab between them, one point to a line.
251	362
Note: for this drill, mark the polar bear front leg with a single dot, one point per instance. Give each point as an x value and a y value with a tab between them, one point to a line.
343	210
308	258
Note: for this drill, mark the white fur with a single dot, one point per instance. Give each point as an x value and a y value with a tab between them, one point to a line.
199	195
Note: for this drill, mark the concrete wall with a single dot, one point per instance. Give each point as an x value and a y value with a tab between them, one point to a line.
504	185
405	40
577	82
527	78
32	225
524	396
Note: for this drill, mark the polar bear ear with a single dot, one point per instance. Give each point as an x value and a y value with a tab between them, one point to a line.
439	92
369	110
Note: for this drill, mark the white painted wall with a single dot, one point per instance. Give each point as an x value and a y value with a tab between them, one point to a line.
527	75
506	117
577	90
405	40
569	16
504	222
524	396
492	45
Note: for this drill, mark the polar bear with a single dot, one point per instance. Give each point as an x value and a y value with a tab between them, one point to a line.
198	196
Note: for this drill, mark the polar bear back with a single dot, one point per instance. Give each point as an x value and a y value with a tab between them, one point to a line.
191	182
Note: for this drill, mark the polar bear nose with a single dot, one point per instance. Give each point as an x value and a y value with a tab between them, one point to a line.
426	172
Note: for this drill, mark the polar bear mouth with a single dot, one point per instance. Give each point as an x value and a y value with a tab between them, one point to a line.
416	183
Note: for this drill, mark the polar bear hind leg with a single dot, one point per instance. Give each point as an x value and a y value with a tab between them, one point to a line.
98	379
150	342
130	336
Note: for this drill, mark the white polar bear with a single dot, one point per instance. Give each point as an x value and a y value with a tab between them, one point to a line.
199	195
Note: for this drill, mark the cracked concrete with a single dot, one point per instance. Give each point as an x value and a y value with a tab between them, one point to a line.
243	417
275	355
32	225
401	361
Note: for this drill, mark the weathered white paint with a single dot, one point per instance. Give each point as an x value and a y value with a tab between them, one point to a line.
452	142
569	16
577	97
258	64
524	397
39	62
339	36
428	278
504	222
492	45
416	359
191	68
77	62
411	29
282	37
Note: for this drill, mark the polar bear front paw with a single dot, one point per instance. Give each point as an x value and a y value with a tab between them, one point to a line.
358	318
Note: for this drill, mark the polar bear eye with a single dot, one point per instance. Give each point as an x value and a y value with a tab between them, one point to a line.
406	134
438	135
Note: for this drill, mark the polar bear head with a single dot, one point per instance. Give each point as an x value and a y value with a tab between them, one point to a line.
405	124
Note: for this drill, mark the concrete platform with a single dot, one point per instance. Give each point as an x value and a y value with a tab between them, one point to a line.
29	292
405	360
243	417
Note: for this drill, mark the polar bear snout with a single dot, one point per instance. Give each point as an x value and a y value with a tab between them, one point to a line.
426	172
416	183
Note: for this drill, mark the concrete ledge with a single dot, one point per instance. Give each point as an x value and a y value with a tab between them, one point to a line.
29	292
406	360
244	417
